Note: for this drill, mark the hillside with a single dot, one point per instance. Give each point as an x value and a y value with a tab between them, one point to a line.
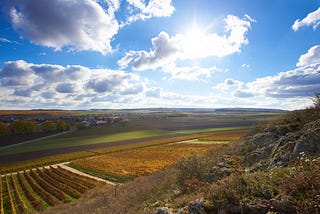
275	168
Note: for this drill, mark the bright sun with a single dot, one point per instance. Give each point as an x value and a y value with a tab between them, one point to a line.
195	42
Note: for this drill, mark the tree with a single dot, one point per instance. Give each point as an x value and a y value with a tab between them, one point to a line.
4	129
316	100
62	125
23	127
48	126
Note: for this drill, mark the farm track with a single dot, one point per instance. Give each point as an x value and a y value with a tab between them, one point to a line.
6	159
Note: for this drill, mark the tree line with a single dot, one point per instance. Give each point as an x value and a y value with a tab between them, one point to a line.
25	127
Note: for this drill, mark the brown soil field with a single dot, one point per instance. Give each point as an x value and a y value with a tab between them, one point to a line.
191	122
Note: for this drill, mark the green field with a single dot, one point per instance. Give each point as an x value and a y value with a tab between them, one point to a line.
86	137
193	131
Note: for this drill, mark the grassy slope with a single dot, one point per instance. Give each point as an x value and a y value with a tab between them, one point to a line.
193	131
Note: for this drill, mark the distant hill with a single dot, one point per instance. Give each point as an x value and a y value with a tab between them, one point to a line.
249	110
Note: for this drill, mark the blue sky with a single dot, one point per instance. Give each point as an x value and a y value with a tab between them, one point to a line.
82	54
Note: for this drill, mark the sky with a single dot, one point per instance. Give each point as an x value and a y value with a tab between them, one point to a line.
89	54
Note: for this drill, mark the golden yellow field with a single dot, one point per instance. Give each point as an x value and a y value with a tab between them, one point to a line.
141	161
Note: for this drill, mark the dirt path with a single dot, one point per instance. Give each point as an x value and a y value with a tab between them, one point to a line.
68	168
64	166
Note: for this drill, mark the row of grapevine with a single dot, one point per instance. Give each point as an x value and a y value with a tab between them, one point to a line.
21	206
35	202
1	198
36	190
9	202
66	179
85	181
58	194
58	184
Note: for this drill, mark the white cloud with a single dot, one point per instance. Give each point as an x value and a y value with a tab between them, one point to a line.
17	74
64	85
167	49
152	8
312	56
4	40
190	73
302	82
163	50
245	65
79	25
312	18
229	83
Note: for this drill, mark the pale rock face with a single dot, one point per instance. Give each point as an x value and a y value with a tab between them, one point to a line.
279	145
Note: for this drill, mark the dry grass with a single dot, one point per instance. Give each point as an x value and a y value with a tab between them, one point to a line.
300	184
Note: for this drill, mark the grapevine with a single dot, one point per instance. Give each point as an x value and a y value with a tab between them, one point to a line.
1	198
13	209
43	193
48	187
21	204
54	174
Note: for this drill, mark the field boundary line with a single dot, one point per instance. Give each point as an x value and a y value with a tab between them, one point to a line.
64	166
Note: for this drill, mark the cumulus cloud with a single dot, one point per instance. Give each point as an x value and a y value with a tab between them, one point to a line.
148	9
312	56
301	82
312	18
243	94
190	73
79	25
229	83
16	73
163	49
167	49
64	84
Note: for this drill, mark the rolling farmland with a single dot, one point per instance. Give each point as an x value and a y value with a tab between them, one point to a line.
123	165
119	153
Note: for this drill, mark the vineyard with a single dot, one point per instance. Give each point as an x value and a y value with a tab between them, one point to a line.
38	189
125	165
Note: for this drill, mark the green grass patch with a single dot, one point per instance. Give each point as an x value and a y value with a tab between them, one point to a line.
197	141
86	137
108	177
194	131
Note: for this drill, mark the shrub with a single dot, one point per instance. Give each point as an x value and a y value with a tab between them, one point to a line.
193	166
48	126
4	129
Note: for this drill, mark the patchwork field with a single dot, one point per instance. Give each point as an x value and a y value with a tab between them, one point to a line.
117	153
121	166
39	189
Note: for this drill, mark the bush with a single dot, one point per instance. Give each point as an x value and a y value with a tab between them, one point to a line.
193	167
62	125
4	129
48	126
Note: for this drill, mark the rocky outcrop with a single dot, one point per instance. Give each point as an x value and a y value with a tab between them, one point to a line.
197	207
163	210
279	145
